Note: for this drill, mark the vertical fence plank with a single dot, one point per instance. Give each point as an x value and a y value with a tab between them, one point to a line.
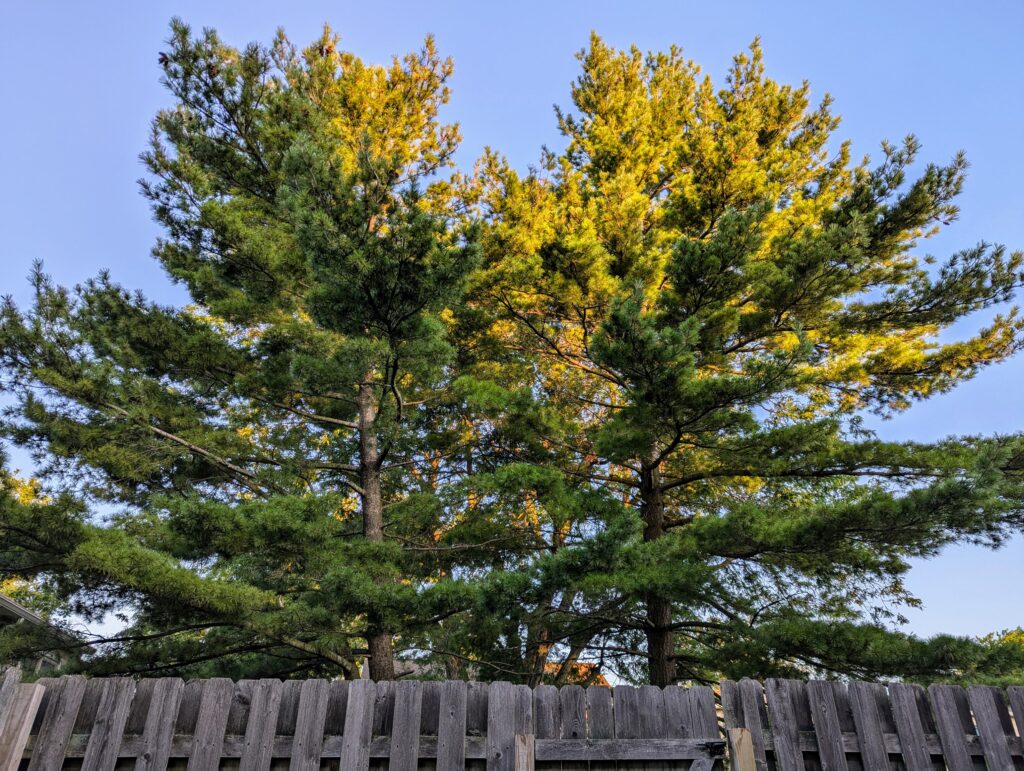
8	691
58	723
524	752
1015	693
755	717
844	711
188	707
309	725
825	718
547	713
572	715
994	725
108	727
212	719
430	714
383	719
509	712
10	683
405	729
261	726
19	715
522	711
355	745
909	726
500	733
337	706
238	712
741	750
158	731
703	718
451	726
948	706
600	719
785	726
652	720
678	715
678	721
477	700
864	702
626	700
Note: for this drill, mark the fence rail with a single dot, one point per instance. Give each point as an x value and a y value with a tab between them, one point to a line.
787	725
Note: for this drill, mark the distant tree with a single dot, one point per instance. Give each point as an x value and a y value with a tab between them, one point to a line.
705	296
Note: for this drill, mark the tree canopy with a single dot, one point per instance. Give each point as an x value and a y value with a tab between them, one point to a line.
604	415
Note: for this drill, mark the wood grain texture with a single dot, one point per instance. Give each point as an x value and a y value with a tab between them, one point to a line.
65	697
211	720
909	726
405	729
626	701
524	752
755	717
864	701
741	750
355	746
108	728
501	727
21	714
547	711
572	715
643	750
600	719
161	717
261	725
949	705
994	726
451	727
309	725
9	682
785	728
825	718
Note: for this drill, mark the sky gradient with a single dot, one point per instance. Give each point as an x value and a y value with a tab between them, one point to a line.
80	83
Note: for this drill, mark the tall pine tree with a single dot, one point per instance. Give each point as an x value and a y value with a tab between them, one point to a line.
711	295
264	457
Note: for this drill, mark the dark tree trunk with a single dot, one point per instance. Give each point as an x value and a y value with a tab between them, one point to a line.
660	641
382	662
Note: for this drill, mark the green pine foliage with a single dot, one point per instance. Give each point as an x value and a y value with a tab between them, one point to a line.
602	417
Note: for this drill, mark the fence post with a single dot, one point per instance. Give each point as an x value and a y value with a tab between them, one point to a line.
741	749
524	755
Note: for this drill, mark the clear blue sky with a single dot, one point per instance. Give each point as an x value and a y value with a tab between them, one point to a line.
79	85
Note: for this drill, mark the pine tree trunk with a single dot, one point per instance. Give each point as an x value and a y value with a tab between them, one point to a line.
382	662
660	641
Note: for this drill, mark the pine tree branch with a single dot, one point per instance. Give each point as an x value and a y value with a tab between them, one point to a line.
251	481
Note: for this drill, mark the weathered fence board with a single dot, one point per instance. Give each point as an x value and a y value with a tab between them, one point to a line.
19	703
787	725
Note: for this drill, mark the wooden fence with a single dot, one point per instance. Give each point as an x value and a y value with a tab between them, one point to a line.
120	723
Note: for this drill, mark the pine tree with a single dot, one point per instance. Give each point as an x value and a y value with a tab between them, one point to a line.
251	452
603	415
711	296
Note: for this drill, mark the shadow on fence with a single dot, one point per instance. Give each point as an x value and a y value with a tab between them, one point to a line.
120	723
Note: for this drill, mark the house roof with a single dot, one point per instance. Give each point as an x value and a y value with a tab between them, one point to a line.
9	607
